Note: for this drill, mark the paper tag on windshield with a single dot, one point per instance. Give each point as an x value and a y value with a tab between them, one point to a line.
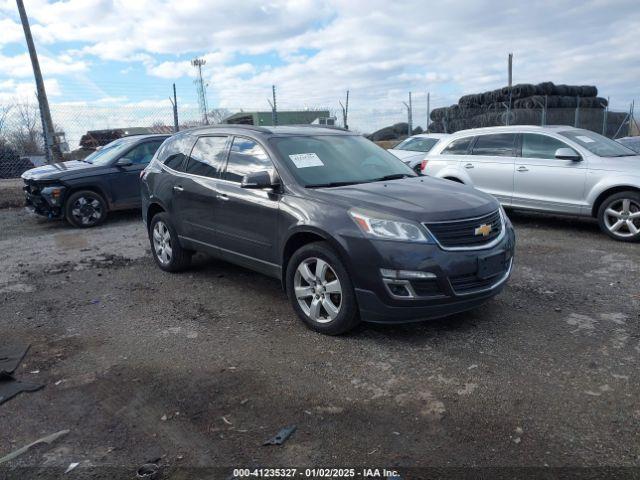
305	160
584	139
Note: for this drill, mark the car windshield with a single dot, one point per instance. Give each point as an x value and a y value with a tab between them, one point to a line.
335	160
631	142
417	144
110	151
597	144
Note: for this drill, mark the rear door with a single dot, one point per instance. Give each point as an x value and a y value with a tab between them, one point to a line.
247	218
491	164
543	182
195	192
125	180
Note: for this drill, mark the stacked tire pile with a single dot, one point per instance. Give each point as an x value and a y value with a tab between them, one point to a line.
394	132
524	104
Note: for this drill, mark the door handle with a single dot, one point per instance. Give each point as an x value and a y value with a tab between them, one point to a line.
523	169
222	196
469	165
178	188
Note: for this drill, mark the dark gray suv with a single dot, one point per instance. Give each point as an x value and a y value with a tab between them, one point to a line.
352	232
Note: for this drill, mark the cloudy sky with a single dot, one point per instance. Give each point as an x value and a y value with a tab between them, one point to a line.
112	52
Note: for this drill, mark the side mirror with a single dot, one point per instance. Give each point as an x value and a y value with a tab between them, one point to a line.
568	154
124	162
259	180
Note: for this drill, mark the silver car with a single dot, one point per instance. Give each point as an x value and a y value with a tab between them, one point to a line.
413	150
557	169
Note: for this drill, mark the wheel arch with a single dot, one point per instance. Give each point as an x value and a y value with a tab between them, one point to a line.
303	236
607	193
152	210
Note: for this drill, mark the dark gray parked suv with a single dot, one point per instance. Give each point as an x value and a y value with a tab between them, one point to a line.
352	232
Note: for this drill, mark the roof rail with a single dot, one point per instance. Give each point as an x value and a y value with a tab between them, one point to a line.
315	125
232	125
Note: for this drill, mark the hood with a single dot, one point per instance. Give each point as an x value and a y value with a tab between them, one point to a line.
421	199
628	165
406	155
57	171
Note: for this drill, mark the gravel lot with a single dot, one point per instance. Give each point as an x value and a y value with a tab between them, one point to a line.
201	368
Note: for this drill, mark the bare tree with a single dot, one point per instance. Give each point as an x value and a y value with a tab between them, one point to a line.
217	115
26	135
5	110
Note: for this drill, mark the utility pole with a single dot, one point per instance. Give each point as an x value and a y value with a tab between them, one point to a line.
409	114
174	102
510	69
200	86
428	110
52	147
274	107
345	112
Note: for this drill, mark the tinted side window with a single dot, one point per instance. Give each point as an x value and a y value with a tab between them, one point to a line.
498	145
540	146
207	156
246	156
458	147
143	153
173	152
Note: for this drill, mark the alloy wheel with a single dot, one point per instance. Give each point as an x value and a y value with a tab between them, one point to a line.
622	218
162	243
87	210
318	290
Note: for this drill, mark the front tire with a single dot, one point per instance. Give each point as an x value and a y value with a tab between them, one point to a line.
85	209
619	216
165	246
321	291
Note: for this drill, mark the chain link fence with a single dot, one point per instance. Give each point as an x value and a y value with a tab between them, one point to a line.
81	128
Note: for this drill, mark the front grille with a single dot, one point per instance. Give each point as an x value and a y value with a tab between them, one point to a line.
462	233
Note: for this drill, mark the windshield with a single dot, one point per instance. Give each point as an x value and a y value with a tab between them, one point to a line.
110	151
417	144
633	143
597	144
334	160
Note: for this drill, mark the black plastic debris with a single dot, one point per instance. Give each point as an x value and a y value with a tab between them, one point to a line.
282	436
10	358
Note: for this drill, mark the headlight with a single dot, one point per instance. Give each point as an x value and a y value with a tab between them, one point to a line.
53	194
386	229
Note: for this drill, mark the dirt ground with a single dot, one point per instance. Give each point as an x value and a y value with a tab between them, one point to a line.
200	368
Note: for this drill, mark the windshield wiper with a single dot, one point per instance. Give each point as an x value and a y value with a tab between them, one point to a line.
332	184
394	176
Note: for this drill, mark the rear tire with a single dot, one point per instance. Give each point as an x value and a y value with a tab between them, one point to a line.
321	291
85	209
165	245
619	216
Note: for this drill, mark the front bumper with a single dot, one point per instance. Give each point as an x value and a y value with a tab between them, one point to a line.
39	200
457	285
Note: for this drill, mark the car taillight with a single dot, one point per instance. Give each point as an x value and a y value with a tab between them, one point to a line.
423	165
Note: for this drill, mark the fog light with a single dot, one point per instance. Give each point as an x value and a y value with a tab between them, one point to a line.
406	274
399	290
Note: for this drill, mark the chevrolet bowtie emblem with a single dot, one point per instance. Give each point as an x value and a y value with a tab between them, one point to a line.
483	230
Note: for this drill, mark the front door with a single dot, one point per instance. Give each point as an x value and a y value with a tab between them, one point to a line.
543	182
247	218
490	164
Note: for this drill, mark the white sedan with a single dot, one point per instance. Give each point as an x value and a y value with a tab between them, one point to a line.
412	150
